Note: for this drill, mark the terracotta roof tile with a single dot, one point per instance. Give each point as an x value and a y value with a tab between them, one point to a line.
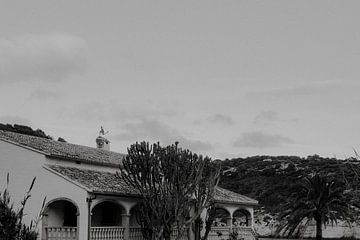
63	150
105	182
95	181
224	195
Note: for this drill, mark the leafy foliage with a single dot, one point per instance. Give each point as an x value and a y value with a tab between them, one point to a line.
320	197
271	180
24	130
204	198
11	225
168	178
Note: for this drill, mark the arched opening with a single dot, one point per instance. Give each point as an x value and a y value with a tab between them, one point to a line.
241	217
60	219
222	217
106	220
107	213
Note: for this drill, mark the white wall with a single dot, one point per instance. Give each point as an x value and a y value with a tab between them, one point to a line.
56	187
24	164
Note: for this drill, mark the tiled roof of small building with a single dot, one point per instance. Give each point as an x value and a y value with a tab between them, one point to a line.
62	149
106	182
224	195
95	181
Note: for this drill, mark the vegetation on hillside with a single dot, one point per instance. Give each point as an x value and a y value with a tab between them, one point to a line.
270	180
24	130
17	128
275	181
320	198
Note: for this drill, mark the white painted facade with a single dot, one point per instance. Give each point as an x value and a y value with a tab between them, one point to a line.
23	164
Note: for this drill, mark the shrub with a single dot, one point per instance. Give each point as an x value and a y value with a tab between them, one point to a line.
11	225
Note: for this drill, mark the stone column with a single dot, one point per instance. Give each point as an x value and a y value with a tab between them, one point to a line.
44	223
229	222
126	224
252	221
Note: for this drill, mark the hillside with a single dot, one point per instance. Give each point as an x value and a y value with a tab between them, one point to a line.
17	128
270	179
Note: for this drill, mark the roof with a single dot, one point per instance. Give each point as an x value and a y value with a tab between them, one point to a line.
108	183
63	150
95	181
224	195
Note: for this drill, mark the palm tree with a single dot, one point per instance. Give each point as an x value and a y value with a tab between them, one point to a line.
321	198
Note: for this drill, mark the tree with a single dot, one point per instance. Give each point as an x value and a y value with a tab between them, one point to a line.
321	198
11	225
204	198
170	181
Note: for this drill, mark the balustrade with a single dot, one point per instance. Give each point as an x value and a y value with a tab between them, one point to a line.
107	233
61	233
244	232
117	233
135	234
219	233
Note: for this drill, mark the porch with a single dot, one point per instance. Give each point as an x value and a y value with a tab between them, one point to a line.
117	233
112	220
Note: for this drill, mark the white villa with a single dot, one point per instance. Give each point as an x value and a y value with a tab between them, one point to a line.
84	198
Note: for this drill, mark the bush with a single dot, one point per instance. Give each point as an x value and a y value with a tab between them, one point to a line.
11	225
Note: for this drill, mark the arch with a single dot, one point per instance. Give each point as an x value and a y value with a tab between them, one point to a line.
241	217
106	200
60	216
107	213
61	212
46	207
222	216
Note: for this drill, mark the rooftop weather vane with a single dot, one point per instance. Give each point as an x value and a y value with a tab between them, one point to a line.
102	132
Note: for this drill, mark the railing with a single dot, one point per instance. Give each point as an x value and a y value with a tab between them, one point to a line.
117	233
217	233
135	234
246	233
61	233
223	233
175	233
107	233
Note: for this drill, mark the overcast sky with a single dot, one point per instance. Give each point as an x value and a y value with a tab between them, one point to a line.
224	78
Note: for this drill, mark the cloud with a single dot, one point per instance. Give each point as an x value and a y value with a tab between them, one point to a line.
268	117
265	117
258	139
301	90
45	95
115	112
154	130
51	58
14	120
221	119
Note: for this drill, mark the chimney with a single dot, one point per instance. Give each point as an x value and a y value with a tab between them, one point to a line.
101	141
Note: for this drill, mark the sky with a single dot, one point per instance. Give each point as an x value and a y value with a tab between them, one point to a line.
225	78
